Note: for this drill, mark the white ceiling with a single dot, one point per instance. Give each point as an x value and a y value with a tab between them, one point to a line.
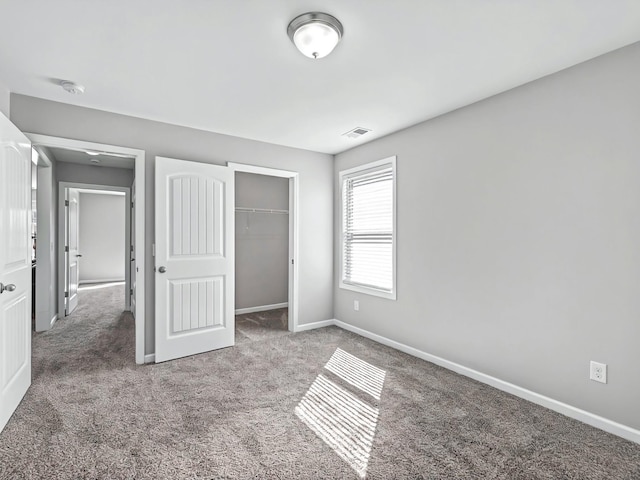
229	67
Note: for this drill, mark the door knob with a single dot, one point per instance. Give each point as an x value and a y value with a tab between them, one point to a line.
9	288
162	269
79	255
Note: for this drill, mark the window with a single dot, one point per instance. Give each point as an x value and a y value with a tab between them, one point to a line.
368	228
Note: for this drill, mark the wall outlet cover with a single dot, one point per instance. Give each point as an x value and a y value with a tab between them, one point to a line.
598	372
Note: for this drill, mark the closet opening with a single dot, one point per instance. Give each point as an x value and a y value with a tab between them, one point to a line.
265	280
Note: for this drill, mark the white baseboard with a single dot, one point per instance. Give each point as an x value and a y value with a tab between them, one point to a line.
151	358
102	280
592	419
261	308
312	326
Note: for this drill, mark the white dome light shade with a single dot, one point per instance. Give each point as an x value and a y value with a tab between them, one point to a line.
316	40
315	34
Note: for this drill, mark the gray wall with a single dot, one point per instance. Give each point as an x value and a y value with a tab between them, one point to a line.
315	260
262	241
102	237
89	174
519	236
47	252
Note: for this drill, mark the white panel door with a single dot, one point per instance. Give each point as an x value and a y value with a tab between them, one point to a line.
73	255
15	268
194	258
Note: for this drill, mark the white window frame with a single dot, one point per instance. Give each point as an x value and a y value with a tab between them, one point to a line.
362	288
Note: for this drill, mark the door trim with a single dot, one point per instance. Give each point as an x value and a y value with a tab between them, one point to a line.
293	230
62	189
141	241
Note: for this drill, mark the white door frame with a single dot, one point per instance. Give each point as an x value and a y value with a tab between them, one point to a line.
62	266
293	231
139	155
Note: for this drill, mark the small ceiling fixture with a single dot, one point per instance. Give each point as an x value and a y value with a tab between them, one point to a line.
92	153
72	87
95	160
315	34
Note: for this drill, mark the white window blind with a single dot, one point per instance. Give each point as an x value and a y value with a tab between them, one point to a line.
368	228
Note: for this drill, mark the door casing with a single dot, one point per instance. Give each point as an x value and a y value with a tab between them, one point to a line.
63	187
141	241
293	231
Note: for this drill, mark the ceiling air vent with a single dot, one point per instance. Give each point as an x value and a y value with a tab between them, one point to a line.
356	132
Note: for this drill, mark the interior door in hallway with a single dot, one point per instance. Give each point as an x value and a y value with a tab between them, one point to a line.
194	258
72	275
15	268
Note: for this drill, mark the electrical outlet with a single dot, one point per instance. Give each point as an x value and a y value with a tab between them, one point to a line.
598	372
356	305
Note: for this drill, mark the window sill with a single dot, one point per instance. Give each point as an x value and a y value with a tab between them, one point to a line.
368	291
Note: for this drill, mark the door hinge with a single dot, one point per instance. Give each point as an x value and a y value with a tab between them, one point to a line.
292	261
131	204
66	294
131	292
66	248
66	203
132	248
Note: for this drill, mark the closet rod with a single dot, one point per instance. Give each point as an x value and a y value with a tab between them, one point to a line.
261	210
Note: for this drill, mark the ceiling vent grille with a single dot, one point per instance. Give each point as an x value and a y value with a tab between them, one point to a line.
356	132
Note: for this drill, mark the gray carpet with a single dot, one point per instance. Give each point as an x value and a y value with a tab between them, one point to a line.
257	326
319	404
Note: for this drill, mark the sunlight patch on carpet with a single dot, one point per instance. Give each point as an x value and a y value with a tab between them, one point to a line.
357	372
338	417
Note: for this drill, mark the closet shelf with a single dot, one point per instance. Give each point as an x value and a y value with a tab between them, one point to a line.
261	210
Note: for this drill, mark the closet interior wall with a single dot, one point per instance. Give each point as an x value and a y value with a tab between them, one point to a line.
262	241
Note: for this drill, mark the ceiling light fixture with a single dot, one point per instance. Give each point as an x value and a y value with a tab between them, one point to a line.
92	153
72	87
315	34
95	160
